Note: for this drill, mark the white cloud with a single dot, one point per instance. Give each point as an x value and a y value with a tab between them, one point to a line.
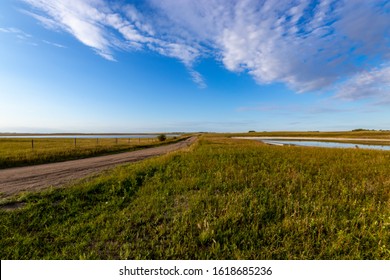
367	84
82	19
17	32
367	24
197	78
262	39
45	21
99	26
308	45
305	45
54	44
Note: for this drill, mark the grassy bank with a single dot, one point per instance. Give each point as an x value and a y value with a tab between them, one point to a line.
222	199
22	152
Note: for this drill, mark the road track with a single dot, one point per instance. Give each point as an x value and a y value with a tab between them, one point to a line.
38	177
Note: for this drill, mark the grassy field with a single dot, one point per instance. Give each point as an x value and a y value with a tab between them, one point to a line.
220	199
22	151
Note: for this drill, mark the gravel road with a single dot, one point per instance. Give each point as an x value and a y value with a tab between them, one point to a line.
32	178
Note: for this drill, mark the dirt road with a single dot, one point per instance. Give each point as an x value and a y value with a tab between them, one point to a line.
32	178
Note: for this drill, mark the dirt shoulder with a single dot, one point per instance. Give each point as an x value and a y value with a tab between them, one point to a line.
38	177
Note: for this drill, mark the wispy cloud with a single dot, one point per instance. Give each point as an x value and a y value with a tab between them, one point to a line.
17	32
197	78
374	83
106	28
54	44
314	109
265	108
80	18
210	126
20	35
308	45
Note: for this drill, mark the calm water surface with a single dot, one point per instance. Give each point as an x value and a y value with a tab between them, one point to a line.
85	136
326	144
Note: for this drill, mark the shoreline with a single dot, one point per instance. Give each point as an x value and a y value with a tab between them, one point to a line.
311	138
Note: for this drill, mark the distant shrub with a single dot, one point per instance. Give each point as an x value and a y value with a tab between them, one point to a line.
250	131
162	137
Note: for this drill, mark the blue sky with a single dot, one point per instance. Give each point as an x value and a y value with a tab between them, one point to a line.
206	65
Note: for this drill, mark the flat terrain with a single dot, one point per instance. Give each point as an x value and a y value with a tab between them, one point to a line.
31	178
18	152
221	198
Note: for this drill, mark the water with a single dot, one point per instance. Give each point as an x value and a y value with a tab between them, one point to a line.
86	136
326	144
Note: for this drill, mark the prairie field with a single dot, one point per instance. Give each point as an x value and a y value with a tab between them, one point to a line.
29	151
221	198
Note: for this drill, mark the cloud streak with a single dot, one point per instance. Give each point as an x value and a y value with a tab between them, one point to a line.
374	83
54	44
17	32
307	45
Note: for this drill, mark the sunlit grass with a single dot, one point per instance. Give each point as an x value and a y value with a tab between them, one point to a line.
221	199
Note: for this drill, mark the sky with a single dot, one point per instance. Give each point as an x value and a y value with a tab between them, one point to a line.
194	65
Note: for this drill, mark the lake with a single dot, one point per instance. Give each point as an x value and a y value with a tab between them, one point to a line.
86	136
325	144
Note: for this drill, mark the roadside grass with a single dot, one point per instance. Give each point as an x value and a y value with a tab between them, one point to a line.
16	152
220	199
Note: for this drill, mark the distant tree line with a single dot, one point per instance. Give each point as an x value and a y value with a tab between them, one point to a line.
364	129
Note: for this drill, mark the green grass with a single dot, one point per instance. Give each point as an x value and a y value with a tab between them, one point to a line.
20	151
220	199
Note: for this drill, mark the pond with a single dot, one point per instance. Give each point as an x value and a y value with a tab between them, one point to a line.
325	144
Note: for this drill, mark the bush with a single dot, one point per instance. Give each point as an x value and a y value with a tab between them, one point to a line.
162	137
